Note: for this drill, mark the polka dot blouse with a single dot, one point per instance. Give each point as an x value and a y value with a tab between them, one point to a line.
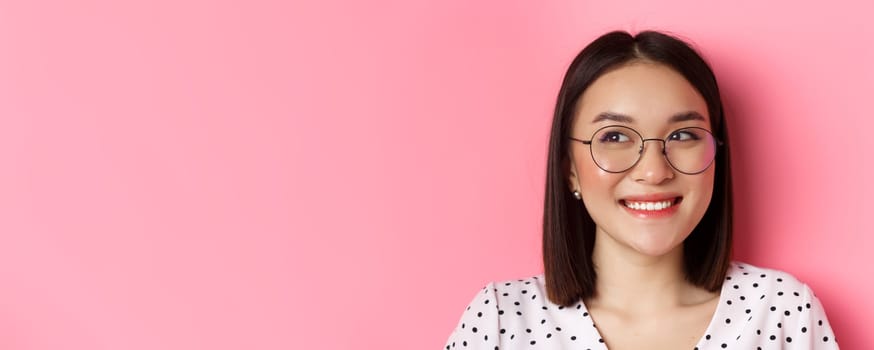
758	309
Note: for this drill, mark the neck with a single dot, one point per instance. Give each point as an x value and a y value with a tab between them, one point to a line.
631	279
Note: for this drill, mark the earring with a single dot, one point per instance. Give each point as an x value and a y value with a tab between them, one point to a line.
577	195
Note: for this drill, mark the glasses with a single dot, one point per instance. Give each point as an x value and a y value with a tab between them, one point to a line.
616	149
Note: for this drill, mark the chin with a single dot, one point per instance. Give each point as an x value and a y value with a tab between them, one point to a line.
657	248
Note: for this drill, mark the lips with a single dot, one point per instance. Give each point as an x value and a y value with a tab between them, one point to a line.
651	205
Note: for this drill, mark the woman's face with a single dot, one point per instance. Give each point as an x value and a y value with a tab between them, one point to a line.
647	97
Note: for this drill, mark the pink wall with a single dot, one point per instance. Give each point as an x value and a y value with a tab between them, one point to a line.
265	175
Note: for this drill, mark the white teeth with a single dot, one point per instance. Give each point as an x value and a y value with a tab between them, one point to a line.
649	205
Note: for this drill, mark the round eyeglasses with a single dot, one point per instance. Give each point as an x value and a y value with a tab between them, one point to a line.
616	148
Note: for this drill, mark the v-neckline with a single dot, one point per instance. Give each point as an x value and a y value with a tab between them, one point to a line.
720	306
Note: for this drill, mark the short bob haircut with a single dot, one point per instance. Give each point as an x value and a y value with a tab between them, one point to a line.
568	230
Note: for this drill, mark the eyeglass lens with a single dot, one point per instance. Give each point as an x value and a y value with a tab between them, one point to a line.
618	148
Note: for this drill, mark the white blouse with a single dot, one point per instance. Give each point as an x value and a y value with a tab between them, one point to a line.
758	309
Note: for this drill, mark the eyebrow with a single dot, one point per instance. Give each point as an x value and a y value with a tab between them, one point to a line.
621	118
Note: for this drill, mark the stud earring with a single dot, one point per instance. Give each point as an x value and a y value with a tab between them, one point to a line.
577	195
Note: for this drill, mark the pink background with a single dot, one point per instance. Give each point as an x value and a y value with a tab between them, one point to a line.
347	175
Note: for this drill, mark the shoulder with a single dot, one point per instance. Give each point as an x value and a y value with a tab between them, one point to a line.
742	275
514	311
779	306
776	293
532	287
521	293
768	286
517	313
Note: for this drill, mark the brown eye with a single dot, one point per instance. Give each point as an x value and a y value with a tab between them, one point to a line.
613	137
684	135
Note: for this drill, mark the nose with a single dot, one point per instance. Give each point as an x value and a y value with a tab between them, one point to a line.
653	167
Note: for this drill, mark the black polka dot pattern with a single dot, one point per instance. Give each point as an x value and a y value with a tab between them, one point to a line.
758	309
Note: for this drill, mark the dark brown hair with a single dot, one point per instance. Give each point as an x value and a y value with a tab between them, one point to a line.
568	230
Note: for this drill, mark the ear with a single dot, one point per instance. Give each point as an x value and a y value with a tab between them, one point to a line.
572	178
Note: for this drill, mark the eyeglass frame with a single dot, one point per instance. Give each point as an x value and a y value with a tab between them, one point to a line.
643	141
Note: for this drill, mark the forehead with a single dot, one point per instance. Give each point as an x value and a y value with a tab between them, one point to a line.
649	93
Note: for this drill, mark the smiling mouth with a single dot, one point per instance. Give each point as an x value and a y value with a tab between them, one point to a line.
651	205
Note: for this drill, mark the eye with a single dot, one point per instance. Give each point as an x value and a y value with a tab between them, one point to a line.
613	137
685	135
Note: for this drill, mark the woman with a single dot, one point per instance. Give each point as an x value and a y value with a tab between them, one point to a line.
637	222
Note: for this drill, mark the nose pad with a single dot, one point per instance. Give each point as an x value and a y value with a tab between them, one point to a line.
653	173
664	151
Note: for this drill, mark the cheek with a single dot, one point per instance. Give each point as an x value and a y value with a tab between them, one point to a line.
589	175
707	181
594	182
703	186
